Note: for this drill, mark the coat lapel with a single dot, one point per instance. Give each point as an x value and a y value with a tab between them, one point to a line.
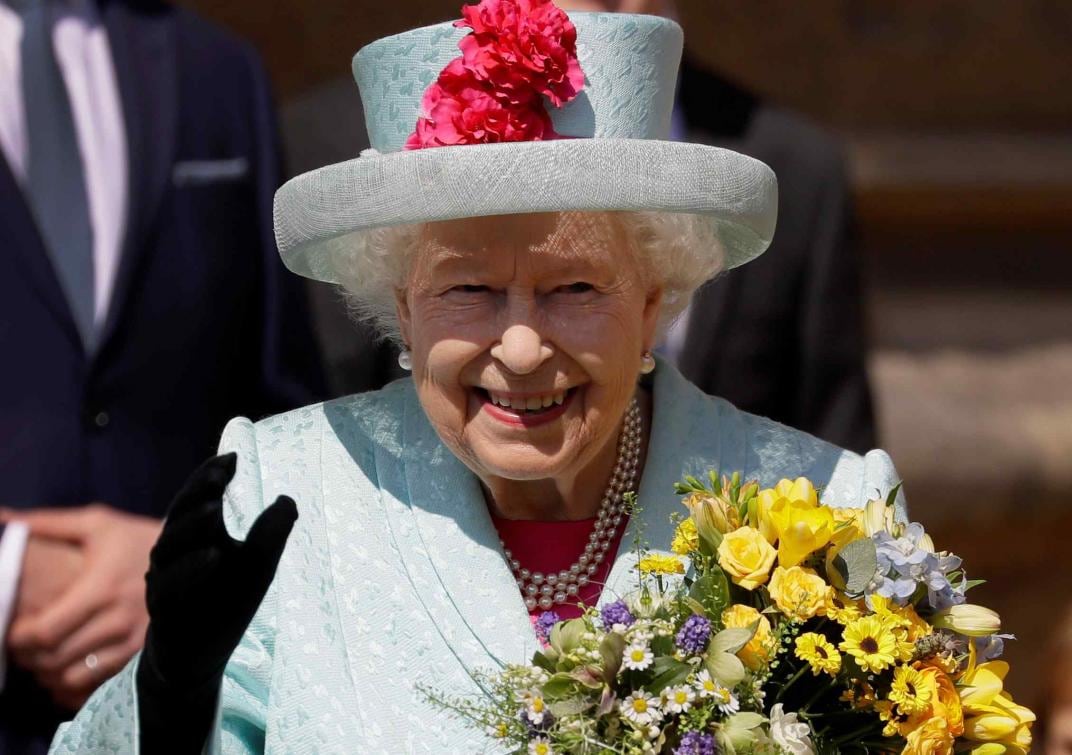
143	50
19	234
452	548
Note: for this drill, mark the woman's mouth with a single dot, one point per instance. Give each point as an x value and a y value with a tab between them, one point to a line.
527	409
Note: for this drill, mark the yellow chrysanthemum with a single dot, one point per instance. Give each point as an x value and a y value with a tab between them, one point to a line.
906	624
871	642
686	538
658	564
860	696
910	691
820	654
841	608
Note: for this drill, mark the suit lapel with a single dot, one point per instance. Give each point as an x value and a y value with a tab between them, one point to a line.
143	51
19	234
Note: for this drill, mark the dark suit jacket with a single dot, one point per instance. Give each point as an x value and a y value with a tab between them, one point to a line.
204	323
783	336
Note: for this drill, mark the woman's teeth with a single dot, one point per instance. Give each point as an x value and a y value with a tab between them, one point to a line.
528	403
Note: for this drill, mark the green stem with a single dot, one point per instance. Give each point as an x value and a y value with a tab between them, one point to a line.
790	683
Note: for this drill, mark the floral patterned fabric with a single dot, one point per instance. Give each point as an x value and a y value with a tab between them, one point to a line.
393	575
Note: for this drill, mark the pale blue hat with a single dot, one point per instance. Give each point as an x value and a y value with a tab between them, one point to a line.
619	160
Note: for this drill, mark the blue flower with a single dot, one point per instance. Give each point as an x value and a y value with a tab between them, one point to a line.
904	565
696	743
991	647
616	613
694	634
544	624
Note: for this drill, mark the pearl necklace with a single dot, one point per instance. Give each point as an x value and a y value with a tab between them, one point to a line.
546	590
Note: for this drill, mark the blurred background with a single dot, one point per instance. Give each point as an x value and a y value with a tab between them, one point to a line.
957	121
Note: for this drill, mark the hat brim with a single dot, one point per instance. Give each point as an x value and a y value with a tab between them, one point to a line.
318	211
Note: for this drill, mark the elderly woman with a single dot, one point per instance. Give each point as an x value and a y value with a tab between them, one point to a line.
528	281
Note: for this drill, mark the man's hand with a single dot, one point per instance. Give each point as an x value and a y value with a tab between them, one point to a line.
49	568
92	630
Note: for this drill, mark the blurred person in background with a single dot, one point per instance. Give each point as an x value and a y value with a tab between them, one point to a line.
1055	731
142	304
783	338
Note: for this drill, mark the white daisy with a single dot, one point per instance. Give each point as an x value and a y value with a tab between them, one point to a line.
679	699
705	685
637	657
730	705
540	746
641	708
535	707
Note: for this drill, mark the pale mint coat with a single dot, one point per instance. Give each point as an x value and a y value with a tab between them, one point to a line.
393	575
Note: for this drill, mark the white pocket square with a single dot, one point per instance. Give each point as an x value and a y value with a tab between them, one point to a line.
193	172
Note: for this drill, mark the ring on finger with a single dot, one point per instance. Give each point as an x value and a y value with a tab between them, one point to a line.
91	661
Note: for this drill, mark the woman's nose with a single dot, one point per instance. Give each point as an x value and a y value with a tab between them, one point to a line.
521	350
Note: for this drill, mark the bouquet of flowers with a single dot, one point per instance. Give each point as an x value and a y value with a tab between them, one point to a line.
775	624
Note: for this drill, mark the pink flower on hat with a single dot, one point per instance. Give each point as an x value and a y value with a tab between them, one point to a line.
523	42
519	51
460	109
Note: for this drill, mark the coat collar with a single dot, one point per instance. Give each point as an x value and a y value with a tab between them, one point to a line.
452	549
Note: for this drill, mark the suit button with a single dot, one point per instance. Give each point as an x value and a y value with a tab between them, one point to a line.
101	419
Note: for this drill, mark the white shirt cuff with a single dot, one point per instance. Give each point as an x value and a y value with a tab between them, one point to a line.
12	546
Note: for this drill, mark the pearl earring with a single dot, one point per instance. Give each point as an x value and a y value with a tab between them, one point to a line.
647	363
405	360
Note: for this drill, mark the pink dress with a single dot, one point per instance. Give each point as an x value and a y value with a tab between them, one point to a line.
554	546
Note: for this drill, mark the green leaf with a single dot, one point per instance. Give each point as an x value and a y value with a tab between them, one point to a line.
712	591
732	640
724	667
672	672
891	499
611	649
856	564
566	635
570	707
589	676
543	661
973	583
696	606
560	686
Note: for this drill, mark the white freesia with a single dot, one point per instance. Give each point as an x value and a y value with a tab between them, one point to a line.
790	734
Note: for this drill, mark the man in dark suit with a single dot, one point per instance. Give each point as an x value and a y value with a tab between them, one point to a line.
782	337
142	304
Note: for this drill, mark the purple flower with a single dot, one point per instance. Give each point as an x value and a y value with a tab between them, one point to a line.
543	625
694	634
696	743
616	613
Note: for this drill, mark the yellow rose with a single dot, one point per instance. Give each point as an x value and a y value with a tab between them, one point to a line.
686	539
801	528
760	649
932	738
799	593
747	557
714	515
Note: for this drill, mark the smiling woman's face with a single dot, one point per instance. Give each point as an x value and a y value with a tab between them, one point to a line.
527	333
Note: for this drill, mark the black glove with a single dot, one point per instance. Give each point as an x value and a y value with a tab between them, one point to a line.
203	588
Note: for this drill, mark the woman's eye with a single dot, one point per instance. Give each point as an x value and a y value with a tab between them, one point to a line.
469	289
579	287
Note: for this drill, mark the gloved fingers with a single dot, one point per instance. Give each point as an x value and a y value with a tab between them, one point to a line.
268	536
207	483
200	526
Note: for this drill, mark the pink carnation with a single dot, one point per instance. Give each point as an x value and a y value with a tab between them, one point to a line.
522	46
460	109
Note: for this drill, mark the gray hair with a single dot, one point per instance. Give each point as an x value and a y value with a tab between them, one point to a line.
678	251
